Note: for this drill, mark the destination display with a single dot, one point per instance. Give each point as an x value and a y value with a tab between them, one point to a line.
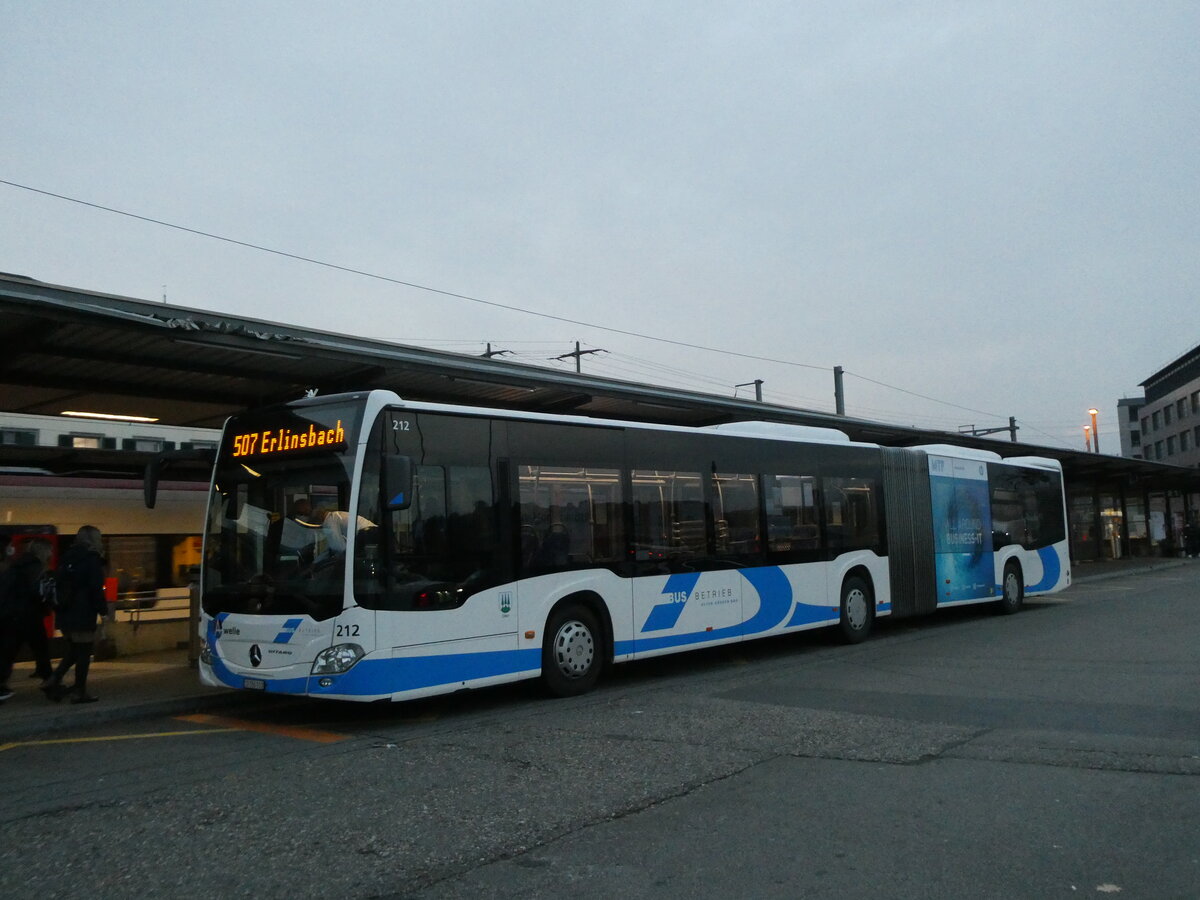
285	441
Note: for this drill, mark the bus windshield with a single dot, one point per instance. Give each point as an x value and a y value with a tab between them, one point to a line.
278	518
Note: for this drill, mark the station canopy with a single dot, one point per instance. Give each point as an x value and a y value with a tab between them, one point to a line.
65	348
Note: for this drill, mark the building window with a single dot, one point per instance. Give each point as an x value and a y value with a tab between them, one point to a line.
1135	439
18	437
1181	407
1167	414
1145	424
1133	414
1171	445
86	441
1156	419
1195	402
1158	450
1185	441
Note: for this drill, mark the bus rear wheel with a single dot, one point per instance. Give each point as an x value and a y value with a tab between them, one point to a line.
572	653
858	610
1013	588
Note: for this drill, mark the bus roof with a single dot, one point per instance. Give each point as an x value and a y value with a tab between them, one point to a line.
959	452
781	431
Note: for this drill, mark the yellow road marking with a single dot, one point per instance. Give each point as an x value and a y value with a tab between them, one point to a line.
292	731
115	737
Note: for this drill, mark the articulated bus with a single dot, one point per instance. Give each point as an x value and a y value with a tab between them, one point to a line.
360	547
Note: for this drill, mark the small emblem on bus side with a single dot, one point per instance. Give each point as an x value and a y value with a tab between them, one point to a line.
505	602
255	656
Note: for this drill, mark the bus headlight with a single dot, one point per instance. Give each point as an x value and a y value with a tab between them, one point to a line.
337	659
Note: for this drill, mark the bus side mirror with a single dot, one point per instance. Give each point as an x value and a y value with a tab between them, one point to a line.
167	459
150	481
398	481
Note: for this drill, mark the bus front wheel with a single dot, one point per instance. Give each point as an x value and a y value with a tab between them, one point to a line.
858	610
571	653
1013	590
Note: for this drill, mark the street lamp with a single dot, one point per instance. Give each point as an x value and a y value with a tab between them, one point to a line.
1095	429
1087	437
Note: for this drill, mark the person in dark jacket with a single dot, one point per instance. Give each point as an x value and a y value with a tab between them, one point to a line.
23	612
80	601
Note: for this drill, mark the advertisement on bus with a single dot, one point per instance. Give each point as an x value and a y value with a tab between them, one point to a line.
961	529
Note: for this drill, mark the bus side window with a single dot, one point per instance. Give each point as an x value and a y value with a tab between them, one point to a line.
793	525
851	513
668	519
735	500
569	517
1008	510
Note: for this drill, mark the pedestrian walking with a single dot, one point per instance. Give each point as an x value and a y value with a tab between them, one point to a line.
1191	537
23	612
80	601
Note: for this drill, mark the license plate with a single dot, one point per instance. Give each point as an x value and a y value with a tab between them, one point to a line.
254	684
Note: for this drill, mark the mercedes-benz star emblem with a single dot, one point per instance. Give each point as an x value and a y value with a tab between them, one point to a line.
255	656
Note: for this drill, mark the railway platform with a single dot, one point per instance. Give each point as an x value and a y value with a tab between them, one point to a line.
164	683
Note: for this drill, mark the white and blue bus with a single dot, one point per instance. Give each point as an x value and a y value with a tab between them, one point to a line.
361	547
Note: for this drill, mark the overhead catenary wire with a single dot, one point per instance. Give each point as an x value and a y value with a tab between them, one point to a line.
923	396
469	298
350	270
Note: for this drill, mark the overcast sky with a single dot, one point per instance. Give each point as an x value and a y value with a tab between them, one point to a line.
993	205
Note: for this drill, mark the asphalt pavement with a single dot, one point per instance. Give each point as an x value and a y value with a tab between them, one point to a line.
1048	754
165	683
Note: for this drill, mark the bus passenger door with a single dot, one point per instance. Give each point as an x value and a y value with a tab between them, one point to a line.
449	567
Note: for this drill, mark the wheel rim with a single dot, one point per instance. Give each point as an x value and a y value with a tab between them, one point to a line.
574	649
1010	587
856	608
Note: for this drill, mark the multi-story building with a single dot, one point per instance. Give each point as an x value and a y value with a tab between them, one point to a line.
1129	426
1170	416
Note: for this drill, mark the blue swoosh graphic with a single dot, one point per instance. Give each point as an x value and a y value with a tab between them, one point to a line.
1051	570
775	600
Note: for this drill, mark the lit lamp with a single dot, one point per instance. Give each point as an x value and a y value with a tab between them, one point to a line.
1095	429
1087	437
